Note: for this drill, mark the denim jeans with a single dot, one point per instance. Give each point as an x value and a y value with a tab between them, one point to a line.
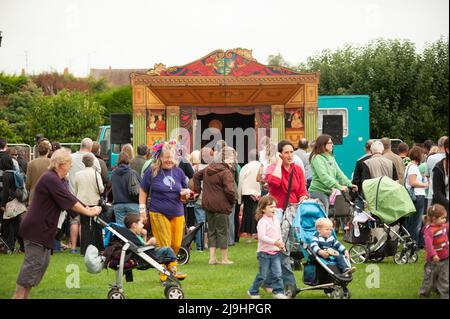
199	217
341	263
165	255
414	222
121	210
324	198
268	264
287	275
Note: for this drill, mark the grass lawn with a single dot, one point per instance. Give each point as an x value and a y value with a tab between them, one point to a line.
204	281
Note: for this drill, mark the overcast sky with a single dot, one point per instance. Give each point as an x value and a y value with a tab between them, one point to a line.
49	35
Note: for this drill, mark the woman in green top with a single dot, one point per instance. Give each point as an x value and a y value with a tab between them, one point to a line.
326	174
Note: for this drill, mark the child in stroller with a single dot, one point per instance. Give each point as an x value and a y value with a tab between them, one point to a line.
319	273
125	250
329	248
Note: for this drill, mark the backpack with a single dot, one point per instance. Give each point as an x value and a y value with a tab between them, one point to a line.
21	194
134	184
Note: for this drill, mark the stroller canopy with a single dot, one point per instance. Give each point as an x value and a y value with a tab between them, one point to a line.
387	199
304	223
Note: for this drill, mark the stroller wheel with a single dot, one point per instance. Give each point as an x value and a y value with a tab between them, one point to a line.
290	291
358	254
400	258
173	292
412	258
337	293
183	256
378	258
347	294
115	294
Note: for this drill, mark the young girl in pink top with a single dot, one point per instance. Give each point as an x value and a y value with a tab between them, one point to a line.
269	247
435	234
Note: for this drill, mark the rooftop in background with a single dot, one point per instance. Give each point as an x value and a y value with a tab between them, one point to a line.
115	77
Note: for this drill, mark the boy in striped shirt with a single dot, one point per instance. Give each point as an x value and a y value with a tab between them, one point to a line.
328	247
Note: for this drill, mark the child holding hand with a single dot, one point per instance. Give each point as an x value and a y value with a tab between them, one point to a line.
269	247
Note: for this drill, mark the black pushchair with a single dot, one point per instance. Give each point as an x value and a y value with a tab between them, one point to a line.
381	233
184	253
128	256
298	225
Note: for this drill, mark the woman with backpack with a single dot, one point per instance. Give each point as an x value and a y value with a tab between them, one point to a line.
123	203
11	208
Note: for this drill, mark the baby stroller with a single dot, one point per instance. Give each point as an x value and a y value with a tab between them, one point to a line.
184	253
129	256
389	204
318	273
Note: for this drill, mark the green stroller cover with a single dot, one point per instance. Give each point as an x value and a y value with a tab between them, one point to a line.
387	199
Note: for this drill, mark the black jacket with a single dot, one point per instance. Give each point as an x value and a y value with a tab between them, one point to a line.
119	180
439	189
357	173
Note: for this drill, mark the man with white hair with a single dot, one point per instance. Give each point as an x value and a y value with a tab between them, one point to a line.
378	165
78	165
431	162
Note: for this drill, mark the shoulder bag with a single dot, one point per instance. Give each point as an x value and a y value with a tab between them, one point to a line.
411	189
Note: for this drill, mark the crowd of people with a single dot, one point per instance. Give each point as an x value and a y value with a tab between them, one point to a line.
219	190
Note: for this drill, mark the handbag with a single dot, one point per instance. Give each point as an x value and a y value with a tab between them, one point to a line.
102	201
13	209
410	190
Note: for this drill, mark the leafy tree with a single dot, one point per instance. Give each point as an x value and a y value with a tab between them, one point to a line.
11	83
117	100
8	133
408	91
17	107
278	60
65	117
52	83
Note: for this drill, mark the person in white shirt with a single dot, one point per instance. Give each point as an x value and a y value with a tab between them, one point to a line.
88	187
249	191
414	179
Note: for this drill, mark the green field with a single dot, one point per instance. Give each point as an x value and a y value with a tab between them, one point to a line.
205	281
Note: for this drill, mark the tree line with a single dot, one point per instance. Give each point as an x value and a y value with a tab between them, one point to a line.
408	90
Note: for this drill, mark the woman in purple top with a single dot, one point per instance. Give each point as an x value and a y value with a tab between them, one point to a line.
39	226
165	184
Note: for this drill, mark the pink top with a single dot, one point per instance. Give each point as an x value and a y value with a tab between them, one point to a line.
436	241
269	231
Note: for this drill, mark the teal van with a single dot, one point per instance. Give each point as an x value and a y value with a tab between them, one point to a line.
346	119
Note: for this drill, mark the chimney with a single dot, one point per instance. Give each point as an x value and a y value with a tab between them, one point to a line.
66	71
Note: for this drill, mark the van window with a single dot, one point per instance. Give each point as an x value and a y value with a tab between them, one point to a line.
324	111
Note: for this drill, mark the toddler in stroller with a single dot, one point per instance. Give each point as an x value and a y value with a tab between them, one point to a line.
319	272
125	250
329	248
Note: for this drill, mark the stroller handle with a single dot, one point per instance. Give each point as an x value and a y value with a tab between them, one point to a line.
100	221
347	198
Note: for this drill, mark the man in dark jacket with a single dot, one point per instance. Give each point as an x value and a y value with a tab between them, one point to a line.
217	201
357	173
440	180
